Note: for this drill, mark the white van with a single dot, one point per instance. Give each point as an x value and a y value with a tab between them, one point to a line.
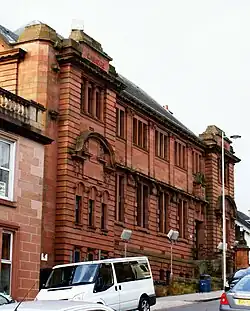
120	283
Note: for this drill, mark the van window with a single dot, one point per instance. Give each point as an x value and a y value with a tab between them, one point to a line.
72	275
106	275
140	269
124	272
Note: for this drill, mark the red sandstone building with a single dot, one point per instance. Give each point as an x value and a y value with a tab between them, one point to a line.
21	185
118	160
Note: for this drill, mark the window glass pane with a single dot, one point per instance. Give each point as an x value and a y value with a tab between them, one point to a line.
77	255
124	272
4	183
3	300
4	154
243	285
106	274
6	246
5	277
140	270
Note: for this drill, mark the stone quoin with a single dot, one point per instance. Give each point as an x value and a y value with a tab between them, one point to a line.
118	159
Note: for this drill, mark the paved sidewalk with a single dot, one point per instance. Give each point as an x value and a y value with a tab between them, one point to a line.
181	300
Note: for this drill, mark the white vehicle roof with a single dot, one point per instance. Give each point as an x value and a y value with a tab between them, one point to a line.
102	261
58	305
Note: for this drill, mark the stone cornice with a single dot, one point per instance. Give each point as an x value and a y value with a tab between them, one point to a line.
217	149
12	54
74	58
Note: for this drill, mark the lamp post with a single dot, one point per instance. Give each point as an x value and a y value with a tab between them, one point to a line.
173	237
224	275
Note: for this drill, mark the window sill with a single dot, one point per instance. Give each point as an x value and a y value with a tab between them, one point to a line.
90	116
181	168
120	223
8	203
140	148
78	225
161	159
183	240
122	139
91	228
145	230
104	231
164	235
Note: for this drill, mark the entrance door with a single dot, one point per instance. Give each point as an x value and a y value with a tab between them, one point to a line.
199	239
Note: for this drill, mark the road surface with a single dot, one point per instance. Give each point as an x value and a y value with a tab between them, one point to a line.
201	306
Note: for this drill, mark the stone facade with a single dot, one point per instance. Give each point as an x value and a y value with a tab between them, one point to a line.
119	160
21	187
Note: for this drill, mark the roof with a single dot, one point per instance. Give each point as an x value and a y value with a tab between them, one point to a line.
52	305
243	219
132	91
9	36
135	92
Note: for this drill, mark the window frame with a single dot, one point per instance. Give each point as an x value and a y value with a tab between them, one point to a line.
183	218
11	170
161	152
120	197
180	153
140	133
163	210
8	261
142	203
120	122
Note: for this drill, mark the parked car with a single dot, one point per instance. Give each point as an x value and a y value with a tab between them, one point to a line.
120	283
5	299
238	297
61	305
234	279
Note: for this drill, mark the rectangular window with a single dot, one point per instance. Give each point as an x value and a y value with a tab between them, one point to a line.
98	105
82	96
180	155
120	198
163	212
226	172
161	145
78	209
120	123
183	218
6	261
104	216
90	98
196	162
132	270
142	205
77	255
140	133
91	213
6	169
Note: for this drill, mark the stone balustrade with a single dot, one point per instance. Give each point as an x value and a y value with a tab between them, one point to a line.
25	111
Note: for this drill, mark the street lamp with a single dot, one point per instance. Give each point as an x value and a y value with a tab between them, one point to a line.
223	136
125	236
173	236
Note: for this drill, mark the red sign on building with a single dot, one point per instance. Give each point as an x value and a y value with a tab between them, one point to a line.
95	58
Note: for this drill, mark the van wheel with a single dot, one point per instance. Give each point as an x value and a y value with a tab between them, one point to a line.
144	304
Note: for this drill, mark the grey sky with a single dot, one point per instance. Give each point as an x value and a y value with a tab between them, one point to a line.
193	55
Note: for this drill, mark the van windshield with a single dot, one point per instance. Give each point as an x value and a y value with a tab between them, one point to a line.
72	275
